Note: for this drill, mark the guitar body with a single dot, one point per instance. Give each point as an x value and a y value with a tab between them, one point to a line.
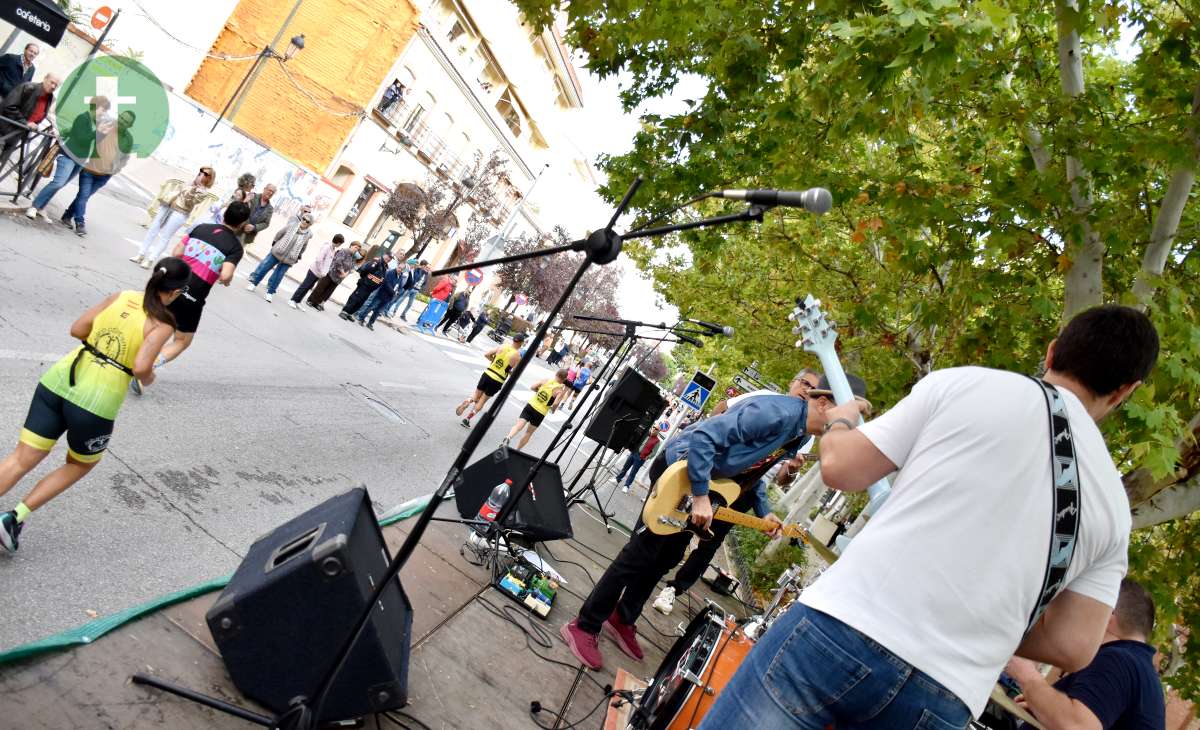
669	506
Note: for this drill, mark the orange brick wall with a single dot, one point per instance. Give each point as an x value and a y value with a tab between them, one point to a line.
350	45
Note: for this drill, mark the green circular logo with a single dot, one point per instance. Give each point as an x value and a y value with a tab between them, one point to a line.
109	109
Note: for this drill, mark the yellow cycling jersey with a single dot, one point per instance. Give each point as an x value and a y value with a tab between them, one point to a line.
541	399
502	363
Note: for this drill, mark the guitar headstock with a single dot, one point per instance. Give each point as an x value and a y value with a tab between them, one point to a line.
817	332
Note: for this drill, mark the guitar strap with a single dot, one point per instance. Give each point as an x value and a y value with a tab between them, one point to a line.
1064	484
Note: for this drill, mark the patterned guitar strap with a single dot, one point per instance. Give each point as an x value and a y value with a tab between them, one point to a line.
1064	484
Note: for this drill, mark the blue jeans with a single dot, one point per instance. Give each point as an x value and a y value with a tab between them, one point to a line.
408	295
372	308
65	169
89	185
632	464
811	671
393	305
268	263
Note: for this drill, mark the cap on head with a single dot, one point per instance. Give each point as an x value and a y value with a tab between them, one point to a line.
518	337
857	386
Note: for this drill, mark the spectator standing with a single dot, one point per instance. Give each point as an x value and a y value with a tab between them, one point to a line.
286	249
370	278
637	458
114	144
31	102
368	305
406	270
455	310
383	294
442	289
416	282
320	267
261	211
240	194
344	262
172	215
392	94
79	145
480	322
17	69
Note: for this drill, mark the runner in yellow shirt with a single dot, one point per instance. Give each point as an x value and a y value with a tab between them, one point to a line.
547	395
503	359
81	394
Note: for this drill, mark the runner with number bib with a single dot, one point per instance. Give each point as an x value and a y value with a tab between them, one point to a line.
547	395
503	359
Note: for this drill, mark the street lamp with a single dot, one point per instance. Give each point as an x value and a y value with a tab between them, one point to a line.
294	46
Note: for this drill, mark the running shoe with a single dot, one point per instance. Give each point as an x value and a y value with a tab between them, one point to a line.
268	296
67	221
466	423
665	601
135	386
462	407
292	304
624	635
10	530
585	646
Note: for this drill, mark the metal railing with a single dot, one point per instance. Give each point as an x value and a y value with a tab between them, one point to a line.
32	150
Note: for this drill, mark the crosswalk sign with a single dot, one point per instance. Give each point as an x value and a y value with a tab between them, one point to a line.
694	395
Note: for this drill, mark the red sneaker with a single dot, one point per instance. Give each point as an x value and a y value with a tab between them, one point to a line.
585	646
624	635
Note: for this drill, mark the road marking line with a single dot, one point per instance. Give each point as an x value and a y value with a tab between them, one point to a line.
462	357
24	355
407	386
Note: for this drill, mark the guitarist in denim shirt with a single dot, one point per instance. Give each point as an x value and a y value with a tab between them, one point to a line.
741	444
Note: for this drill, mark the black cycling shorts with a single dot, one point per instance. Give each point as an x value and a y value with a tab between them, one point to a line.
531	416
488	385
187	313
51	415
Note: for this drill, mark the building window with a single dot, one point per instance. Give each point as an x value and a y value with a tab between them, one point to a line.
508	112
414	118
364	199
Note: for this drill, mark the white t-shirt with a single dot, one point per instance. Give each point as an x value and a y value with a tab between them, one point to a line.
946	573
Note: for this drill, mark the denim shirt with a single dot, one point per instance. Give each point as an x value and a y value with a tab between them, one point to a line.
736	440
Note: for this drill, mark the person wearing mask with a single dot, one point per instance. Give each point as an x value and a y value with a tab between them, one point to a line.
381	297
370	278
344	262
212	253
261	211
17	69
502	361
319	268
975	528
31	102
79	146
547	394
286	249
81	394
171	217
455	311
1120	689
416	282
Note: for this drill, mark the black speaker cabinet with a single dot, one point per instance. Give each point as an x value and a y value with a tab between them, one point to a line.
627	414
540	515
292	603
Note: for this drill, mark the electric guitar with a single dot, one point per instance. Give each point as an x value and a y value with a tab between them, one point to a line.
669	507
818	337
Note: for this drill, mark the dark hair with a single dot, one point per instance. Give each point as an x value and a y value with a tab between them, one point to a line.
236	214
1106	348
339	238
169	274
1135	609
561	374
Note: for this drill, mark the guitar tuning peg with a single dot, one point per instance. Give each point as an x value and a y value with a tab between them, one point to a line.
799	343
797	330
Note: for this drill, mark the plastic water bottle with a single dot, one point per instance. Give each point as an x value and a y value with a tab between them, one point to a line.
495	501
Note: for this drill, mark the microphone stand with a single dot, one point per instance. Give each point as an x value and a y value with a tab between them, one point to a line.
600	247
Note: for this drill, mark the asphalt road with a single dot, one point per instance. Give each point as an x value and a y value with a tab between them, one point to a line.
271	411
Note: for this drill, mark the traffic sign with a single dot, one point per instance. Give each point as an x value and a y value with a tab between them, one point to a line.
474	276
695	395
101	17
744	384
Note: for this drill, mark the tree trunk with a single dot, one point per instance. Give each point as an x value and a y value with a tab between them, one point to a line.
1171	503
1084	287
1140	485
1166	223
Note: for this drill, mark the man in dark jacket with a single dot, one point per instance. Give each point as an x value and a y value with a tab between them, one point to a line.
458	305
370	277
480	322
392	281
18	69
31	103
261	211
419	275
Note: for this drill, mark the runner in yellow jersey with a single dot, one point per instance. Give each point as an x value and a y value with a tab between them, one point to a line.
81	394
547	395
502	360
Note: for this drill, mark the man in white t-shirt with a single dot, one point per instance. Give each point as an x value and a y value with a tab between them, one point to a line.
911	627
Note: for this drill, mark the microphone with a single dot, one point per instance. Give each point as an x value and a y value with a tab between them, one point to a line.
814	200
689	340
717	329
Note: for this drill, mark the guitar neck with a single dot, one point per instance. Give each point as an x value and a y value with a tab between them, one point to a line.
726	514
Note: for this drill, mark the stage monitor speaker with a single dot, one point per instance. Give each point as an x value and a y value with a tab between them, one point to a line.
625	417
541	515
291	605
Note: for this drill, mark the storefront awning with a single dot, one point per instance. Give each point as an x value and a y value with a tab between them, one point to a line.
41	19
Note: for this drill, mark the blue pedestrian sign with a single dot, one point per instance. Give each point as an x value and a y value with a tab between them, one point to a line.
697	391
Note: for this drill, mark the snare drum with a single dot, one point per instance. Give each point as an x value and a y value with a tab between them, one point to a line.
692	675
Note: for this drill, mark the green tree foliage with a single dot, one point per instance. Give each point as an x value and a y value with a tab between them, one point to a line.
996	166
